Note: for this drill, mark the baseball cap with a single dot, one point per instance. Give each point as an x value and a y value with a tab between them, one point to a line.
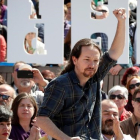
25	66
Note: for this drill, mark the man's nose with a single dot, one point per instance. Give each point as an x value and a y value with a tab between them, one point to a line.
116	98
111	116
92	64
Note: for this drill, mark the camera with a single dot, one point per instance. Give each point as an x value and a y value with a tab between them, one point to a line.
24	74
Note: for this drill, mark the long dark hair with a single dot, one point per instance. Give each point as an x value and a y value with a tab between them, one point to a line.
76	51
16	102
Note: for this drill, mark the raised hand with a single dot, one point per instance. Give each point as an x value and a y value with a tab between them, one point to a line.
120	14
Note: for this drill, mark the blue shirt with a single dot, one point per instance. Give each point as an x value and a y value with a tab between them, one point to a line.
74	109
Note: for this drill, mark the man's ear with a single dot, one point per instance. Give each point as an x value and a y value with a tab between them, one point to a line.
74	59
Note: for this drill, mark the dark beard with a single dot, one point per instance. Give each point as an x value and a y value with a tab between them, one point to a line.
106	130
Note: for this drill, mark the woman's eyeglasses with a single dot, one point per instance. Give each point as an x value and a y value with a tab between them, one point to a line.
4	97
119	96
137	100
132	86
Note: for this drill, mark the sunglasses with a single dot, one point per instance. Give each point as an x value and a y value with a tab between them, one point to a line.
119	96
132	86
137	100
4	97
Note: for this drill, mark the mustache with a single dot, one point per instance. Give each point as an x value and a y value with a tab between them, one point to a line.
89	69
109	121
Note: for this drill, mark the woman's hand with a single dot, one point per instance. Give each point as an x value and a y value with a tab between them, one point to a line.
33	133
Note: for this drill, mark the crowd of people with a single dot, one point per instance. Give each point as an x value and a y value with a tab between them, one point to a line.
72	105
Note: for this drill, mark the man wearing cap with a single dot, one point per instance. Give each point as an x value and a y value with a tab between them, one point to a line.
26	84
132	125
29	85
7	95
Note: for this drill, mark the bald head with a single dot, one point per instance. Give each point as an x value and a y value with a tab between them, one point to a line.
7	90
109	105
109	113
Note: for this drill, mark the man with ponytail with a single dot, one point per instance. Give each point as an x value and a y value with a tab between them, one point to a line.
71	108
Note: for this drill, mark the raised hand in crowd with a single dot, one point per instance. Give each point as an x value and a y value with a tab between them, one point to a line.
117	130
127	115
38	78
115	70
34	133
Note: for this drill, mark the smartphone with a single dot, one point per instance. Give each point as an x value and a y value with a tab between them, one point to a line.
24	74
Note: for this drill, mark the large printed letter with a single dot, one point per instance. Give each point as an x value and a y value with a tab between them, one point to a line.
19	25
83	26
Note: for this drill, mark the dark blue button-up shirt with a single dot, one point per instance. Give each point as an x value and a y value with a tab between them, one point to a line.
74	109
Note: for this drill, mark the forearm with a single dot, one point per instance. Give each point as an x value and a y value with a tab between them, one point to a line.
49	127
120	137
118	42
43	83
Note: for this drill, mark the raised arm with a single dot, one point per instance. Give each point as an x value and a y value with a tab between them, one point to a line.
119	41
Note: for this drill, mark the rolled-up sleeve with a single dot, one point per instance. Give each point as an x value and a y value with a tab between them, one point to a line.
105	64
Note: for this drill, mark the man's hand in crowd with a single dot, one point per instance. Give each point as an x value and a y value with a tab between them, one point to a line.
115	70
38	78
117	130
127	115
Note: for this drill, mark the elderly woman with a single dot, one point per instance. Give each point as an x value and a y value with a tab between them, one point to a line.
132	84
119	95
5	122
24	110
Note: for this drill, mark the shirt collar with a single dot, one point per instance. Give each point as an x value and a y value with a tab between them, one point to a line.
73	77
105	138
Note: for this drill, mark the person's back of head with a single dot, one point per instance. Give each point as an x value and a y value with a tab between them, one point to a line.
5	113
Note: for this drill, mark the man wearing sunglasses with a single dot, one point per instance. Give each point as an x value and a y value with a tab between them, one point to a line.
119	95
132	125
7	95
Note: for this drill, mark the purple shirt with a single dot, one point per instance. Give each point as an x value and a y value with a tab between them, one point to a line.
66	28
18	133
3	9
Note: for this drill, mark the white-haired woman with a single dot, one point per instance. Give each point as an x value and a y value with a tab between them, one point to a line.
119	95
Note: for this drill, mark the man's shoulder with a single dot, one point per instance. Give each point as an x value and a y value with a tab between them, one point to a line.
127	137
61	80
126	122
